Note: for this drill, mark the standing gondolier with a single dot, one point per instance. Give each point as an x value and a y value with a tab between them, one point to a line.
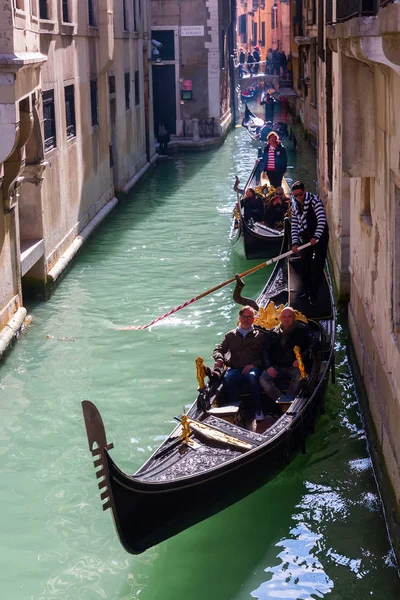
309	225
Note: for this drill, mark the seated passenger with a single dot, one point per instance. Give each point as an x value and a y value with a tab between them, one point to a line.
278	356
276	207
253	206
240	350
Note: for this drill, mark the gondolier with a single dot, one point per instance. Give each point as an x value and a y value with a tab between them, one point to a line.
309	225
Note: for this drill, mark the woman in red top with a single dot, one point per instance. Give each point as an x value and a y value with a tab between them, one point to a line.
274	159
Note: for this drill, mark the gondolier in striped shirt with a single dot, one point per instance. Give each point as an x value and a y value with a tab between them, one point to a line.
309	225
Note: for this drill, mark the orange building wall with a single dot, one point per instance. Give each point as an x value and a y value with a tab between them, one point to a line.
278	38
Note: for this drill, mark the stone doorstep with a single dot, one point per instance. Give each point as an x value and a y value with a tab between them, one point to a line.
31	251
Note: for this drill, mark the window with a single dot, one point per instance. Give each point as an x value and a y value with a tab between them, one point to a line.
254	34
222	53
111	84
93	102
396	264
137	90
124	15
262	34
274	16
134	15
243	28
91	13
127	91
70	111
20	4
65	12
43	9
367	184
49	120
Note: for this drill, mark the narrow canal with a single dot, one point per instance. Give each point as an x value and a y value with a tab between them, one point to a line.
316	530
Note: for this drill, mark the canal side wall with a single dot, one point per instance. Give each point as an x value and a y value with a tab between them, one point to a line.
359	179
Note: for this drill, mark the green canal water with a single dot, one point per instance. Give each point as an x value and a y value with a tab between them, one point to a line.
316	530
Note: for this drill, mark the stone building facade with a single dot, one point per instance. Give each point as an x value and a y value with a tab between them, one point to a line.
192	70
359	180
304	47
75	124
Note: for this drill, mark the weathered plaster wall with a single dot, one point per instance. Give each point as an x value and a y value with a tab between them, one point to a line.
374	287
364	212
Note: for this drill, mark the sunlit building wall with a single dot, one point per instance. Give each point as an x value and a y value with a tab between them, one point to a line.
75	125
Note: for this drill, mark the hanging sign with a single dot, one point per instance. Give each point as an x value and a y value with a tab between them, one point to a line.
191	30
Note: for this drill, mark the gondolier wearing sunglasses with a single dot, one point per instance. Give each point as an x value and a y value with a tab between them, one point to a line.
240	351
309	225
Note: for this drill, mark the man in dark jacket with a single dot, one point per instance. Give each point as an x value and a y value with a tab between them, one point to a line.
279	359
240	351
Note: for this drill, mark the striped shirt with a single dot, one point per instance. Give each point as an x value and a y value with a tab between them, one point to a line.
301	217
271	159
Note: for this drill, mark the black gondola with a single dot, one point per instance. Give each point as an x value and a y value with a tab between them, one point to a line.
207	463
258	129
252	240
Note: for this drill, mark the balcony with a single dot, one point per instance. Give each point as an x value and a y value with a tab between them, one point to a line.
348	9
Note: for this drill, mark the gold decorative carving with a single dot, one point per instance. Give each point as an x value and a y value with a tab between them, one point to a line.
268	317
299	358
200	372
185	435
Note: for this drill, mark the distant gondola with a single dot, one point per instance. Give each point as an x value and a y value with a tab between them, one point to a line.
252	240
207	463
258	129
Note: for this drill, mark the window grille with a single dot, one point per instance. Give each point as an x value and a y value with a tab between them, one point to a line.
49	120
70	111
137	89
127	91
93	102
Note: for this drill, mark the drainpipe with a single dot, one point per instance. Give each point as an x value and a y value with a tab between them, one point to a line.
146	76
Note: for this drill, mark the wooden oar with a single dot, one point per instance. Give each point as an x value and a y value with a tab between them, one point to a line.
214	289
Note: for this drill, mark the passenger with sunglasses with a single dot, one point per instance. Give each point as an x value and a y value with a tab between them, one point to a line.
309	225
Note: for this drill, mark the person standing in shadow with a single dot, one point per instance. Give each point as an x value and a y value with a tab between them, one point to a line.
163	138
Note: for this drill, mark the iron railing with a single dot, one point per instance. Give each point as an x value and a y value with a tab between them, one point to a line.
348	9
206	128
